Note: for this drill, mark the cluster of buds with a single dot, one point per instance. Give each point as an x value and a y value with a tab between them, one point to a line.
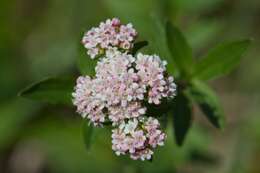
110	33
122	86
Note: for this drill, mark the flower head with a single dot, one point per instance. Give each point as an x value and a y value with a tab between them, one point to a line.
110	33
121	86
88	103
139	138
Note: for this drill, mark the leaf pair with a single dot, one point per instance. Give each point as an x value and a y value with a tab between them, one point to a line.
198	93
219	61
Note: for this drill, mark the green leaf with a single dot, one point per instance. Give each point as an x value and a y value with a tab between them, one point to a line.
158	41
208	102
85	64
180	50
54	90
182	117
163	121
139	45
87	131
221	59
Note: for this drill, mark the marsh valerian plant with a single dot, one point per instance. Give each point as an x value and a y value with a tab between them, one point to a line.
131	91
122	87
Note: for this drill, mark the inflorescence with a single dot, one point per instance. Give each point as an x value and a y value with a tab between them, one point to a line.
122	86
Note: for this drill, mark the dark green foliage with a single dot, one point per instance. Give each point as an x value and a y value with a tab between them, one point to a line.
182	117
179	49
208	102
54	90
139	45
221	59
87	131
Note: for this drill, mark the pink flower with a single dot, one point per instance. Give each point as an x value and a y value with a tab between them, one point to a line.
144	154
132	110
118	143
120	86
151	124
110	33
156	137
152	72
140	137
87	103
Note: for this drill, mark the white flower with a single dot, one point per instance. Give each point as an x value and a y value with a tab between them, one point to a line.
130	126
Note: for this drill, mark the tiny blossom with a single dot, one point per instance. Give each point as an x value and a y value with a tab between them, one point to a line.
110	33
151	124
145	154
137	137
121	80
132	110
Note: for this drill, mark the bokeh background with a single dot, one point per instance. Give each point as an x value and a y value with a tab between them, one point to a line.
40	38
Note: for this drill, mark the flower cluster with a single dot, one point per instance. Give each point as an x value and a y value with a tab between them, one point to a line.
122	86
138	138
110	33
122	83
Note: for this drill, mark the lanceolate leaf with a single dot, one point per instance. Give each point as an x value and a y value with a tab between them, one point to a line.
182	117
54	90
221	59
180	50
85	64
208	102
87	130
158	42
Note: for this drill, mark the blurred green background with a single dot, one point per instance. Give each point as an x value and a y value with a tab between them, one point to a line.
40	38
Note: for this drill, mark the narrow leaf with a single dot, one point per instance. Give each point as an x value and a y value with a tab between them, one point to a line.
221	59
158	42
87	131
182	117
85	64
208	102
180	50
139	45
54	90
